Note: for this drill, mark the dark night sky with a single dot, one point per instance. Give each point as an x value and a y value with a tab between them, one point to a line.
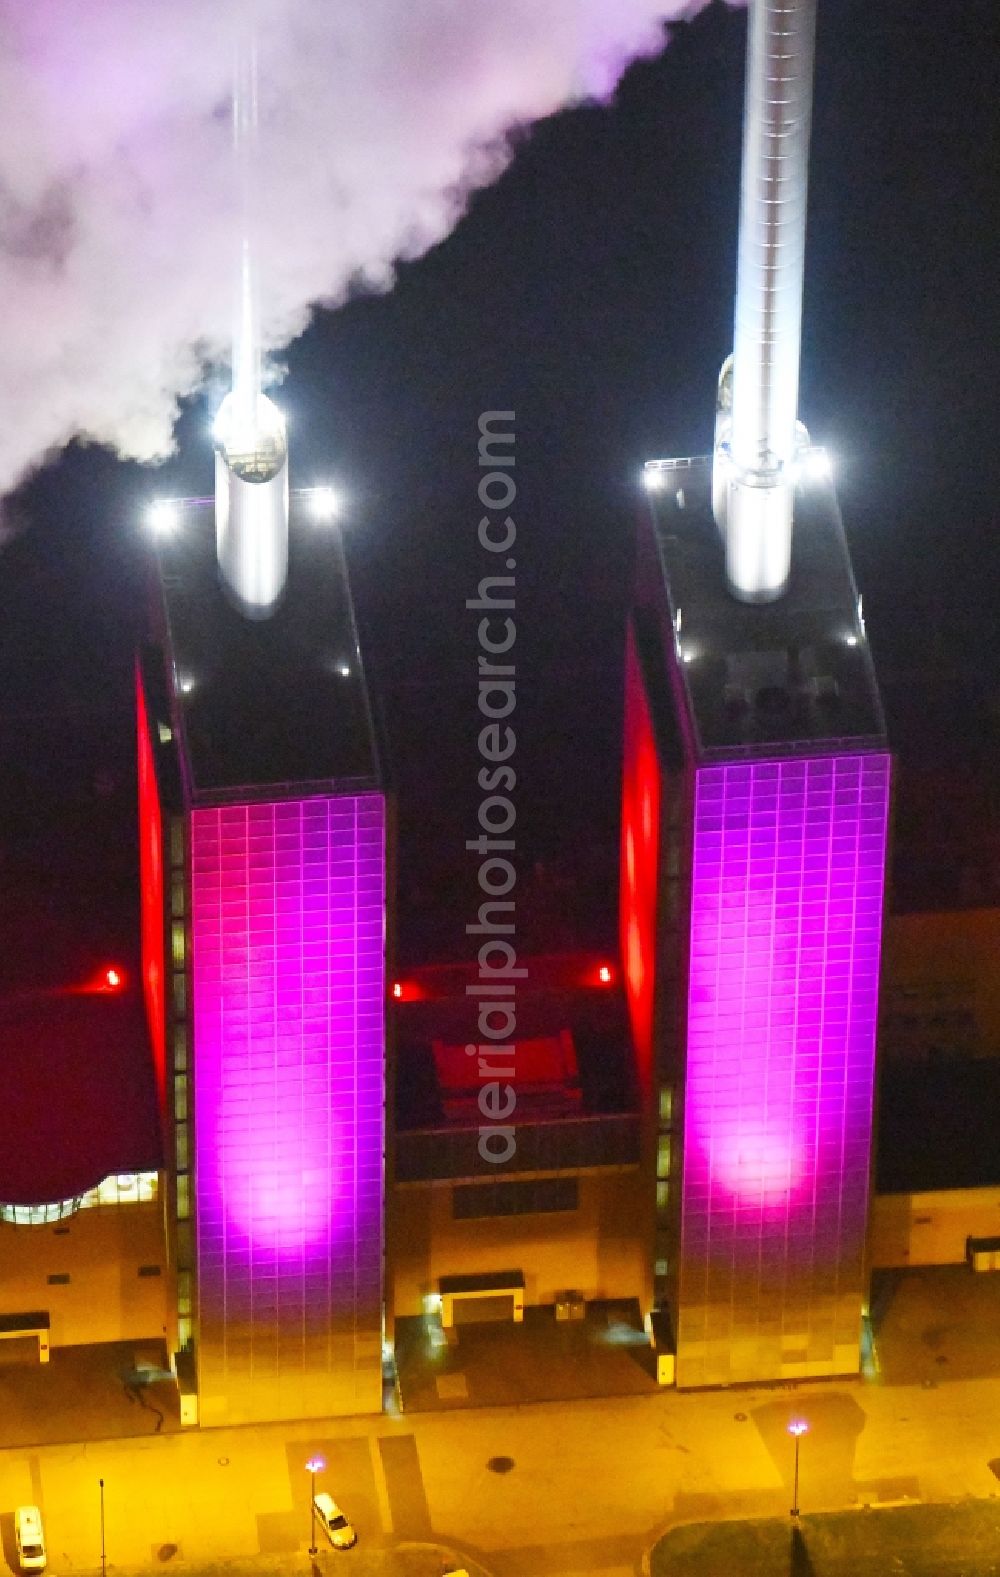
590	291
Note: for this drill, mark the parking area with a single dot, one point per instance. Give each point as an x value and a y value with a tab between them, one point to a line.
564	1487
577	1489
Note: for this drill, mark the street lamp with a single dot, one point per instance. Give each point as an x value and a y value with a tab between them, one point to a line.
104	1558
313	1466
797	1429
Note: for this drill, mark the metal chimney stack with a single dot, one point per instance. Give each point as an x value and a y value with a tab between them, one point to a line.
251	504
756	428
251	449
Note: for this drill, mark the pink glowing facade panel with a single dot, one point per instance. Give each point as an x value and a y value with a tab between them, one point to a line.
287	921
786	918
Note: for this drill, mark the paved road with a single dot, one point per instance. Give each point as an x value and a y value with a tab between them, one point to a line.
592	1483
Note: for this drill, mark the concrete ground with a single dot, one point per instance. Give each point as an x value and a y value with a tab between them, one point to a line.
937	1323
930	1325
498	1363
88	1393
547	1490
555	1489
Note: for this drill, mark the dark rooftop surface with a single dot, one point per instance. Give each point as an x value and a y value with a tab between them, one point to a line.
273	701
936	1124
78	1090
561	993
765	679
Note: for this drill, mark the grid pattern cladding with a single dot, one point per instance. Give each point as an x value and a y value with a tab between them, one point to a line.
287	905
786	915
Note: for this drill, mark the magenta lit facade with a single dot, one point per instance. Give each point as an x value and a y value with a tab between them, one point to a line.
788	862
287	938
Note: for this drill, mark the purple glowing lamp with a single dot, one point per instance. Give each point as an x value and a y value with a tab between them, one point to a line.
797	1428
313	1466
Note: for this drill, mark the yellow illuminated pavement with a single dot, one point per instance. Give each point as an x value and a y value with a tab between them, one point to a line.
592	1482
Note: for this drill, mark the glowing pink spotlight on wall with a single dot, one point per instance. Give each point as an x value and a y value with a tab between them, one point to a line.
786	910
288	925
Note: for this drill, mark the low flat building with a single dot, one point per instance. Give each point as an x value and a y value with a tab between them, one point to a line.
83	1250
558	1207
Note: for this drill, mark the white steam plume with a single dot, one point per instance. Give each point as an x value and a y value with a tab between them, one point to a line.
119	202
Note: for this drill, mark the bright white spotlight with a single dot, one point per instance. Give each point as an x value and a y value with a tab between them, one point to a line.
324	503
653	479
816	466
186	684
251	435
162	516
344	670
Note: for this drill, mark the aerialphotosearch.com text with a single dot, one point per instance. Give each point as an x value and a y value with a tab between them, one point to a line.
498	972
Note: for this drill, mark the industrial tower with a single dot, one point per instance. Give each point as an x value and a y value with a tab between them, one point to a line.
755	804
264	865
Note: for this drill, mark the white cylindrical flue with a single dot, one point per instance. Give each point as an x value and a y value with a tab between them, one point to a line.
251	504
251	453
721	464
759	534
761	440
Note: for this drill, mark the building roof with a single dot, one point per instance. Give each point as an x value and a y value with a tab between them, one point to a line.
760	680
572	1047
937	1124
78	1091
265	702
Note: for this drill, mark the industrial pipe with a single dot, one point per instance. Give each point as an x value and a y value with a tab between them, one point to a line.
251	503
756	436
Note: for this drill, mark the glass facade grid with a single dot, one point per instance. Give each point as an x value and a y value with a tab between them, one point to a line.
786	911
287	911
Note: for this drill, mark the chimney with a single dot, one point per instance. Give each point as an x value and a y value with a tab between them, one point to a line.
251	450
757	433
